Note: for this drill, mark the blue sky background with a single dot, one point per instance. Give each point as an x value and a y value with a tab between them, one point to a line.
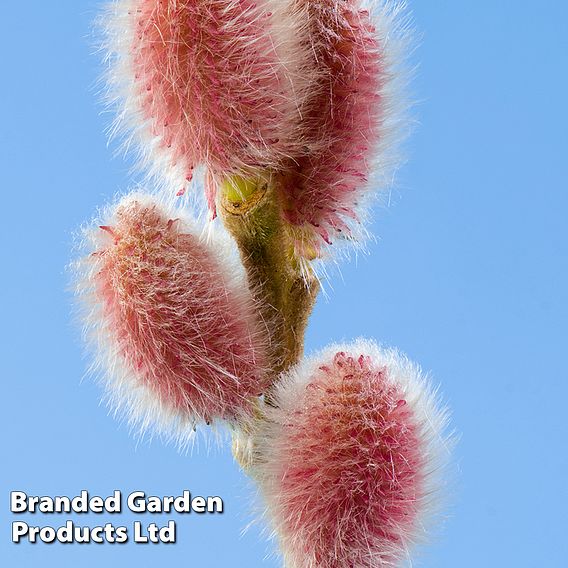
469	277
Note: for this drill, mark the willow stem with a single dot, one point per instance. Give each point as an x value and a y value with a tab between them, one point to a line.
284	292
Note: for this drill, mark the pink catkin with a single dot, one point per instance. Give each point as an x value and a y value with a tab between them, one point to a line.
349	452
209	81
175	318
341	121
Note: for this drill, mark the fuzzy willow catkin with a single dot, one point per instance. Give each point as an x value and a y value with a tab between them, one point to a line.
349	458
208	82
341	118
348	119
171	318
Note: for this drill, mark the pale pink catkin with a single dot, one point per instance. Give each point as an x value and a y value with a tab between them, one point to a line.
172	319
341	119
351	458
204	82
351	121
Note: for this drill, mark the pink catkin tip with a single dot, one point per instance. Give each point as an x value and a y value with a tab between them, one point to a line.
173	321
349	458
